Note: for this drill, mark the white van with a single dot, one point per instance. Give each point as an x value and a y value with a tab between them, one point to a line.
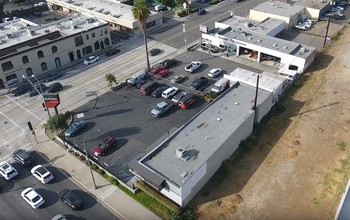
220	86
134	79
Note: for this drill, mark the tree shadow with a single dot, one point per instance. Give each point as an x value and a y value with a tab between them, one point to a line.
49	196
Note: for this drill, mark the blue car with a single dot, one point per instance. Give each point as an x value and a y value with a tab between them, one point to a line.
75	128
201	11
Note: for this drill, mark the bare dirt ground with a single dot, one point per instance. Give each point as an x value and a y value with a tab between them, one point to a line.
299	164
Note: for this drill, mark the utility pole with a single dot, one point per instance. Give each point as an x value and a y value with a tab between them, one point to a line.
88	160
325	37
256	97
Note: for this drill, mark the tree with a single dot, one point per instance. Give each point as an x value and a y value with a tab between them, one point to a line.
168	3
110	78
141	13
2	3
56	123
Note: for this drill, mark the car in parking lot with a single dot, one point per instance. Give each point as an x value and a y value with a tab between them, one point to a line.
71	199
169	63
177	97
104	146
21	90
91	59
154	51
158	91
59	217
178	79
187	101
55	87
199	83
23	157
34	199
170	92
112	52
42	174
193	66
36	90
161	108
7	171
75	128
149	87
214	72
53	76
156	69
162	73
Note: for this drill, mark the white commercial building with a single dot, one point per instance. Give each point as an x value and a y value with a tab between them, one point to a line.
117	14
182	164
27	48
256	41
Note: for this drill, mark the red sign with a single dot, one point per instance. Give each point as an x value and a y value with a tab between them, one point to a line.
52	101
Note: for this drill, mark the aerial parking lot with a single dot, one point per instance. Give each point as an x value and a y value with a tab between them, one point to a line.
125	114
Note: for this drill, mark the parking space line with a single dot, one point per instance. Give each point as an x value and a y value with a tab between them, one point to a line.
23	108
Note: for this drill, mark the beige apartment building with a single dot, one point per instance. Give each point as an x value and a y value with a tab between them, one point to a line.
29	49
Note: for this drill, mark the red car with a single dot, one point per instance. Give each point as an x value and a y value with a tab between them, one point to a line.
162	73
104	146
187	101
156	69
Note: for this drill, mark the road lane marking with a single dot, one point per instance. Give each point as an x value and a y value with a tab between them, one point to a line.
23	108
10	155
4	143
22	101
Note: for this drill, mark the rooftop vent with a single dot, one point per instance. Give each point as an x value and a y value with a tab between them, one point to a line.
250	38
30	32
275	45
47	31
259	41
285	48
244	33
180	152
91	20
183	174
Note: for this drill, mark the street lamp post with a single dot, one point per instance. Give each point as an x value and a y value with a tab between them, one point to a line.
40	92
88	160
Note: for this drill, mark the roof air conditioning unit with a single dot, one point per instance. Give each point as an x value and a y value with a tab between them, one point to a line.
180	152
274	45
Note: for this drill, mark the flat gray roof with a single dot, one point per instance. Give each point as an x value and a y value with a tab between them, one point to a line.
20	30
313	4
203	135
262	27
278	8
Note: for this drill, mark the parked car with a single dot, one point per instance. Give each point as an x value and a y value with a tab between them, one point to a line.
162	73
156	69
177	97
75	128
7	171
36	90
214	72
169	63
161	108
149	87
158	91
178	79
170	92
59	217
23	157
112	52
21	90
104	146
53	76
91	59
187	101
193	66
160	8
34	199
42	174
154	51
201	11
134	79
199	83
70	199
55	87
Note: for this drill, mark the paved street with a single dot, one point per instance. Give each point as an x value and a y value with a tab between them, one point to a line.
12	205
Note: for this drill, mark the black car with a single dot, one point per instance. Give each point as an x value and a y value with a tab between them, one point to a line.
112	52
55	87
21	90
70	198
23	157
154	51
158	92
53	76
35	91
169	63
199	83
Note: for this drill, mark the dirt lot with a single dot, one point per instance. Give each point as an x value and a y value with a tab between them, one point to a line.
299	163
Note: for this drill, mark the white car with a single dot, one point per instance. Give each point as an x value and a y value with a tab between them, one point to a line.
177	97
91	59
170	92
7	171
214	72
193	66
32	198
42	174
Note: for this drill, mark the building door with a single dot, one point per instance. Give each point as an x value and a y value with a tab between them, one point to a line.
71	56
57	61
102	45
78	54
97	46
2	84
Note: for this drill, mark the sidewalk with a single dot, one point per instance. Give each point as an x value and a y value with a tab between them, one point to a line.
108	195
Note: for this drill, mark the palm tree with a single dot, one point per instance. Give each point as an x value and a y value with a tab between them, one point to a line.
110	78
141	14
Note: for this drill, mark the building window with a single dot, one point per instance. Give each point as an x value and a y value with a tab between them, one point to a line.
40	54
11	79
87	50
107	41
93	35
7	66
57	61
43	66
106	32
78	41
101	34
25	59
87	37
97	46
29	71
54	49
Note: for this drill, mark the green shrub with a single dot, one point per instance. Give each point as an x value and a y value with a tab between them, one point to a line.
105	175
101	172
94	167
214	2
115	182
82	157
